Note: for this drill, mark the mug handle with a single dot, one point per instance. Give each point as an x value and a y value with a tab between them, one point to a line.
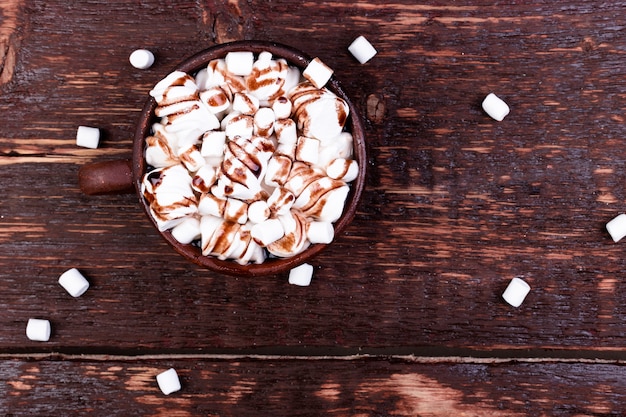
106	177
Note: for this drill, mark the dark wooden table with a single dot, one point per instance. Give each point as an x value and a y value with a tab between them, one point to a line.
404	315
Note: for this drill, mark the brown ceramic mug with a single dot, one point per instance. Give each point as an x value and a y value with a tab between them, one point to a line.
109	177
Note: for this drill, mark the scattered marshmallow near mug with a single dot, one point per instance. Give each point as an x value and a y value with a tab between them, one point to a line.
495	107
74	282
87	137
301	275
38	330
362	49
516	292
617	227
168	381
141	59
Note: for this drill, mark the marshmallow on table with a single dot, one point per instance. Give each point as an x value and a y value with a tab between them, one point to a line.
301	275
141	59
362	50
88	137
38	330
495	107
516	291
317	73
74	282
617	227
168	381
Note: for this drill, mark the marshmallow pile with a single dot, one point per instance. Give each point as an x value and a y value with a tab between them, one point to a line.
250	157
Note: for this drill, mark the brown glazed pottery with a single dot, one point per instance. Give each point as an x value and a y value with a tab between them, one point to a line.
126	175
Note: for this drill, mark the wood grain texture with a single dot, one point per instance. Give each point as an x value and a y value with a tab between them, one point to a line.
455	206
295	387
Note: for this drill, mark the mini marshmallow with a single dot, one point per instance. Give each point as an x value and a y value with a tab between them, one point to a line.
286	131
204	179
264	122
236	124
320	232
240	63
213	143
280	201
278	168
362	49
88	137
343	169
267	232
141	59
495	107
236	211
617	227
245	103
38	330
282	108
74	282
317	73
308	150
516	291
258	211
168	381
301	275
187	231
217	99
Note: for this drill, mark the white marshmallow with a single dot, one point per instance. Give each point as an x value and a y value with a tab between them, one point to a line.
362	49
308	150
187	231
264	122
343	169
320	232
333	204
141	59
301	275
204	179
264	56
237	124
88	137
516	291
216	99
74	282
267	232
236	211
258	211
280	201
286	131
282	108
317	73
213	143
168	381
240	63
278	168
192	158
617	227
38	330
495	107
245	103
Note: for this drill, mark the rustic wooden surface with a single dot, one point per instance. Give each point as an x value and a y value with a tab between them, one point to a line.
404	315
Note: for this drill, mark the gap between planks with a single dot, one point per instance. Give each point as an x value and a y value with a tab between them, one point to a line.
261	357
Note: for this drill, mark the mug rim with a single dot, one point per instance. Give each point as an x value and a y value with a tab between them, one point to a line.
271	265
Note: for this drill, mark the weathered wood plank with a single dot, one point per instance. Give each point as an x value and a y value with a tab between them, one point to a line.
455	204
295	387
